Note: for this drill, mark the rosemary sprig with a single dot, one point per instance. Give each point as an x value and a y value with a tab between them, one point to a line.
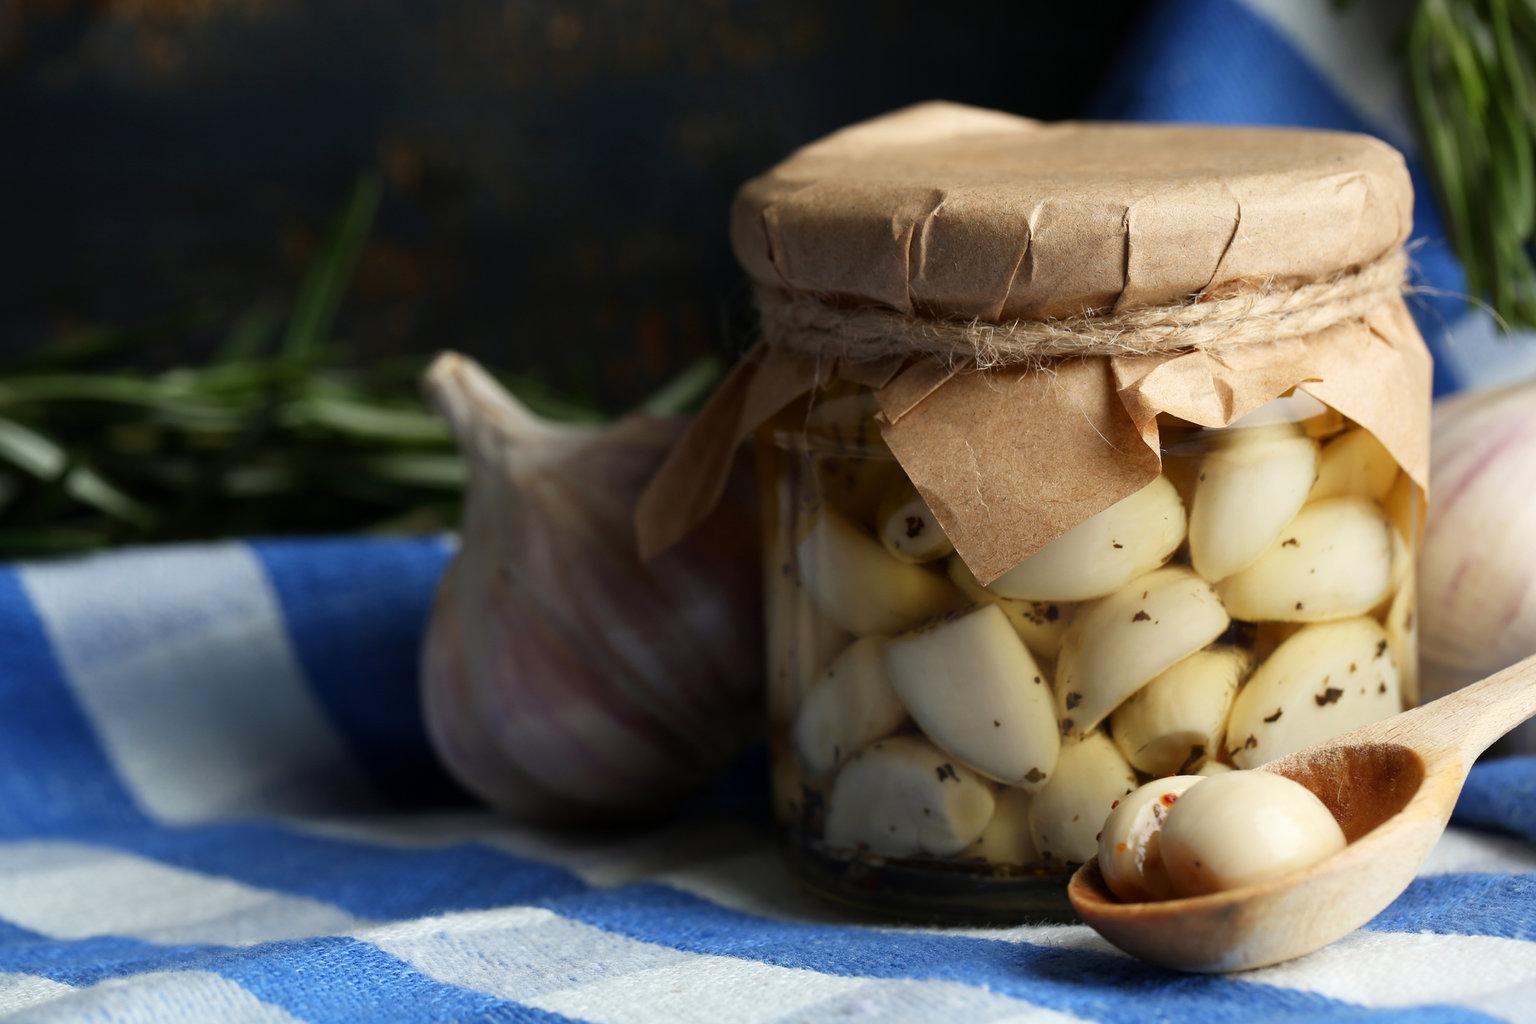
1472	68
274	434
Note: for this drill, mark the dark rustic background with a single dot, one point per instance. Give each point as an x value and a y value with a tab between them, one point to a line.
557	174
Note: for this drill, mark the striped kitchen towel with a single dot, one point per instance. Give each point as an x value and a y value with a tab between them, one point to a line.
217	804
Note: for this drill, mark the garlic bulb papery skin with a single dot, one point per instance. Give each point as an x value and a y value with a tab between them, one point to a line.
1477	569
564	678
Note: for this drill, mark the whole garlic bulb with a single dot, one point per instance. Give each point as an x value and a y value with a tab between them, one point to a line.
562	677
1477	572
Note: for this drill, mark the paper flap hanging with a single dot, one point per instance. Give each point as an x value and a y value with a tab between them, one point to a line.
693	476
1009	459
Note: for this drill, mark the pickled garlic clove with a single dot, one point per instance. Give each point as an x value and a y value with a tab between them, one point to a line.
1325	680
906	526
1066	816
974	689
1354	463
1177	721
902	796
851	706
1402	506
1244	828
1212	768
1119	644
1249	487
1333	561
1403	636
1040	624
1006	839
801	641
854	485
1130	848
1103	553
851	578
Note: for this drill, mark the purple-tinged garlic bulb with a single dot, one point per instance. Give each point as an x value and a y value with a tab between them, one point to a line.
564	678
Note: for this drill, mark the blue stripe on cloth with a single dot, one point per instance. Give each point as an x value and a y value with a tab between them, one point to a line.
52	770
1501	795
1237	69
1095	985
1503	906
324	980
356	609
391	883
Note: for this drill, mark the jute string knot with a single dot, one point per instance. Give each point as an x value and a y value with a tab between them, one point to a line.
1266	313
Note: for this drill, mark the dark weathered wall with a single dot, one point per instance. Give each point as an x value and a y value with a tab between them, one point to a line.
558	173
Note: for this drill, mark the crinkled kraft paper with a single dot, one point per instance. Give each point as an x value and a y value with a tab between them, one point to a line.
941	210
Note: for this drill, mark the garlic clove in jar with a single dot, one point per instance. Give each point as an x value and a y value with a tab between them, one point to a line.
851	706
1244	828
1329	678
786	788
854	485
1212	768
1130	848
906	526
902	796
1333	561
1119	644
1177	721
851	578
975	691
1066	816
1103	553
1006	839
1040	624
1249	487
846	422
1403	638
1402	506
801	641
1354	463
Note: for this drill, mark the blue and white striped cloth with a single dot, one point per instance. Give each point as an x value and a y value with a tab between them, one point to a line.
217	802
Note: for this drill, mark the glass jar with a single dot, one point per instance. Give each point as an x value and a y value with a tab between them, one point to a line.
948	751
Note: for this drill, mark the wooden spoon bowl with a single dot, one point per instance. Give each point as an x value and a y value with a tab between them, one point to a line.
1390	785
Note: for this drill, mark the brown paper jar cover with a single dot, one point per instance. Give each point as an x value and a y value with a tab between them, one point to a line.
946	211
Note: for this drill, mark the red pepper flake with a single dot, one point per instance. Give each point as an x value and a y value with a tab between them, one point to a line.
1073	700
1116	544
1141	616
1121	847
1114	805
1276	716
1290	542
1328	696
1381	648
1169	799
1034	775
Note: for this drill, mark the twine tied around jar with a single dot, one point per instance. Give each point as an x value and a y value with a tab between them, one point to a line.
1267	313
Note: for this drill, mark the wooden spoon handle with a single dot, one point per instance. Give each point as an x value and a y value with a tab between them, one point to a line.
1468	721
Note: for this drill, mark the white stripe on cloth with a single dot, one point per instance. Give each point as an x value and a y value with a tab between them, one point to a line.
19	991
1382	969
158	997
73	891
537	958
1353	48
734	865
197	695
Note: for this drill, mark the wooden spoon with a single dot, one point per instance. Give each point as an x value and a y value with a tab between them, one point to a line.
1391	785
